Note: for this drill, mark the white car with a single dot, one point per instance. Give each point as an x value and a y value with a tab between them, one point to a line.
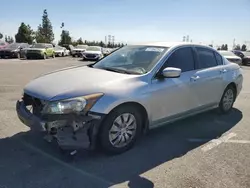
93	53
78	50
230	56
61	51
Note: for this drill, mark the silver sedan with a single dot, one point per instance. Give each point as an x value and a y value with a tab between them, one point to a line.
134	89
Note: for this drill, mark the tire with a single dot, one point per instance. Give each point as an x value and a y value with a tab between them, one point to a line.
105	136
228	95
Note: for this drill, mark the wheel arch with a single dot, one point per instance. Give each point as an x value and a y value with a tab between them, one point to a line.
141	108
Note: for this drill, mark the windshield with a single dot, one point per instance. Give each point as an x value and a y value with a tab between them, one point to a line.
93	48
39	45
246	53
227	53
133	59
81	46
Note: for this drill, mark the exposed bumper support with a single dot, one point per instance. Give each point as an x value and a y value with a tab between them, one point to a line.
70	131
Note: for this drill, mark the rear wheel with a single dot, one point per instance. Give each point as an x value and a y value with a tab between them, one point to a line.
227	99
120	130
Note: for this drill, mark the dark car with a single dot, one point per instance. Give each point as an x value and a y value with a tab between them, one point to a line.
245	56
12	50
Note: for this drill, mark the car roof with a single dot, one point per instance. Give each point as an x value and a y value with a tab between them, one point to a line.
171	44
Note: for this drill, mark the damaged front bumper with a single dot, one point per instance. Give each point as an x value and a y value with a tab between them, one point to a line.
71	131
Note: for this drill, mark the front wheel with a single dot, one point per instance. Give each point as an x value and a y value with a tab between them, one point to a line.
227	99
120	130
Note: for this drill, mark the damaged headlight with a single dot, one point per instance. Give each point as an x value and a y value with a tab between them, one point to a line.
74	105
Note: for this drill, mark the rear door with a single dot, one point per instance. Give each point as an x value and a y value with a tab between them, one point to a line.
209	77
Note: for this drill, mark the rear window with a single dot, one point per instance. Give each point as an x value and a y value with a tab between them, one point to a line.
218	59
206	58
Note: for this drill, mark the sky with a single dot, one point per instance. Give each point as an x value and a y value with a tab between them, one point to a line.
131	21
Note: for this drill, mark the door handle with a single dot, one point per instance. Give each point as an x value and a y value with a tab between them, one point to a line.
223	71
194	78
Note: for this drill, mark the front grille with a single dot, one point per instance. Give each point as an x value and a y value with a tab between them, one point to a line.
5	53
35	103
90	55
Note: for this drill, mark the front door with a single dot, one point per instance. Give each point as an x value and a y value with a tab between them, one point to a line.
173	96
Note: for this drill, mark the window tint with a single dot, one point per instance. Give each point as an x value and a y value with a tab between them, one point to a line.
182	59
219	59
206	57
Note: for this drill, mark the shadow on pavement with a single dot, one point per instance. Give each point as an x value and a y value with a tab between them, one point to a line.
23	165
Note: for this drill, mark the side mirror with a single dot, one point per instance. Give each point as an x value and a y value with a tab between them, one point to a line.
171	72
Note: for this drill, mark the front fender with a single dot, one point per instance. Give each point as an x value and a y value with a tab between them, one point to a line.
107	103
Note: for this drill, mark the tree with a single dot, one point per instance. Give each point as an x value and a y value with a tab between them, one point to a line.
9	39
65	38
219	48
101	44
1	35
44	32
222	47
24	34
237	47
210	45
225	47
79	41
244	47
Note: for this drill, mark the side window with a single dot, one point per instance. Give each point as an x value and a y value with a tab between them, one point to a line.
218	59
182	59
206	58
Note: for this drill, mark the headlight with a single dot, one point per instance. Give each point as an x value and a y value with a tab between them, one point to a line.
74	105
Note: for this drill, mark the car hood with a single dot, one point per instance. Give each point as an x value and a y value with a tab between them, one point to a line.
41	49
74	82
7	49
232	57
79	49
92	52
59	50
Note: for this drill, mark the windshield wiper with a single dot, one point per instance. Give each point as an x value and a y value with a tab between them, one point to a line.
120	70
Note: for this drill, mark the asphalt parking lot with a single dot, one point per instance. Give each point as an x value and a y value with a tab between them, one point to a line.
208	150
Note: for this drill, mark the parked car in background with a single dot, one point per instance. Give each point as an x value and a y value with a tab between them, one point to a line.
3	44
106	51
40	50
136	88
245	56
12	50
92	53
230	56
61	51
78	50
